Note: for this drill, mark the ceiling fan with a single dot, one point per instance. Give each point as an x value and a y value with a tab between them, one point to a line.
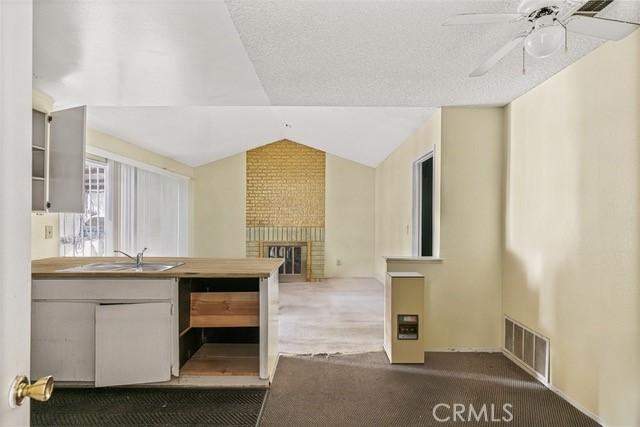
548	27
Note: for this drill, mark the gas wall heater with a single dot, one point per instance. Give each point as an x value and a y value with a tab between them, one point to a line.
528	347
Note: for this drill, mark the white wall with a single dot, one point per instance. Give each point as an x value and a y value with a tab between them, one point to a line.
572	232
16	19
463	293
349	218
219	208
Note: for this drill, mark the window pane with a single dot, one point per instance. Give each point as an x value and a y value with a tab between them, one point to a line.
85	234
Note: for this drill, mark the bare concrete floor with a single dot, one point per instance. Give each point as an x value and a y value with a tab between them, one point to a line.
332	316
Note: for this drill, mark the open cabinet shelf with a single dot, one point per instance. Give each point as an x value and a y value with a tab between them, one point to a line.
224	309
213	359
218	328
58	148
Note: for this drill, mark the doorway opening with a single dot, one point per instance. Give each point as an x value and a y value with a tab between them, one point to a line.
425	202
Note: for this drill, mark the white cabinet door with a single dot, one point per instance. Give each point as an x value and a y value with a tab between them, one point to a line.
67	142
62	340
133	343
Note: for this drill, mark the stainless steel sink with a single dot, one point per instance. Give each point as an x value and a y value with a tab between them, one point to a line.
98	267
153	266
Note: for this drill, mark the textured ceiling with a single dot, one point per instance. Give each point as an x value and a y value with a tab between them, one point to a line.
393	53
198	135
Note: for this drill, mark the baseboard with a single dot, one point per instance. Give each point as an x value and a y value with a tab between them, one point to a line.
554	389
464	350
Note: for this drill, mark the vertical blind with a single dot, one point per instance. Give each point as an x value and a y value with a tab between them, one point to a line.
139	208
150	211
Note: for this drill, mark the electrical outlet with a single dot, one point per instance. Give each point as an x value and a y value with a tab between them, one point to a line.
48	231
338	262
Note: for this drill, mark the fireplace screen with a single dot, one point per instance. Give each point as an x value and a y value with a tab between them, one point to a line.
292	259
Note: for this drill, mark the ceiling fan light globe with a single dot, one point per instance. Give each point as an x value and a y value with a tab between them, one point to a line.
544	41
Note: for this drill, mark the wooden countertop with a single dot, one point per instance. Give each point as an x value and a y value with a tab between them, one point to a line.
192	267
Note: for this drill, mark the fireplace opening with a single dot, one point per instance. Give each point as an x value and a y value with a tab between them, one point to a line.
294	267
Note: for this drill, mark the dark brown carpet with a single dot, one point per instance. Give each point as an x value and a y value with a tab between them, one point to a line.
149	407
365	390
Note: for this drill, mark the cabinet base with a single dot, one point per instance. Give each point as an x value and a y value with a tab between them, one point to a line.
223	360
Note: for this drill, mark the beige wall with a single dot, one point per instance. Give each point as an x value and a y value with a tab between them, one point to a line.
103	141
572	259
393	188
349	235
219	199
219	190
41	247
463	294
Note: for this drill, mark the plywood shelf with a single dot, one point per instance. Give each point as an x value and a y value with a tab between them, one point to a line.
224	309
223	359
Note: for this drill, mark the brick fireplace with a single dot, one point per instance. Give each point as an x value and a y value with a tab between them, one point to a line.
285	207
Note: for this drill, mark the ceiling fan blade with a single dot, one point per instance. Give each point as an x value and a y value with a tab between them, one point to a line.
497	56
607	29
484	18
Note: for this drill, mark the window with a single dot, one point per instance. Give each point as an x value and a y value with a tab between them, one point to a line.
424	206
150	211
85	234
128	208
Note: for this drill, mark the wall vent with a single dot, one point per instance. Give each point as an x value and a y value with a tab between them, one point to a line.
528	347
593	7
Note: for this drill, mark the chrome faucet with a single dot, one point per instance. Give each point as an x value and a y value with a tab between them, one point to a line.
139	258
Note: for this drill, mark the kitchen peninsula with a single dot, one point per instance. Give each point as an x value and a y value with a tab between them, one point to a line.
175	321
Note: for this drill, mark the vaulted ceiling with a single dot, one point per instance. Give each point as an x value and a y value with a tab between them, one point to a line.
199	80
197	135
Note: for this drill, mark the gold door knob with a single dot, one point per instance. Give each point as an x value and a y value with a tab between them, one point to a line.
40	390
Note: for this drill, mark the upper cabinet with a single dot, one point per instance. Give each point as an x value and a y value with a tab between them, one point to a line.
38	161
67	142
59	151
